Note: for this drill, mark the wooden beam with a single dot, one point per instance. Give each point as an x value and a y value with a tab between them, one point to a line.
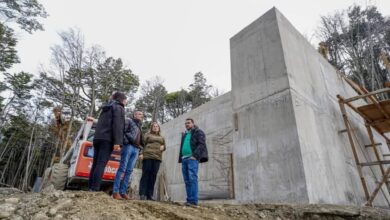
381	162
378	187
367	95
342	100
354	151
376	152
361	90
370	145
343	131
377	122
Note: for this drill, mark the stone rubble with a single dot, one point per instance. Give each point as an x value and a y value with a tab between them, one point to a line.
80	205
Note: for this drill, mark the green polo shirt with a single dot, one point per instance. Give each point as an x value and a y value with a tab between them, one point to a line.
186	148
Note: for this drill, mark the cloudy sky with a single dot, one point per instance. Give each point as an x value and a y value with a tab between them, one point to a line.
172	38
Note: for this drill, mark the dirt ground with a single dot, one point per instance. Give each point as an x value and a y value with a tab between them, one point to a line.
91	205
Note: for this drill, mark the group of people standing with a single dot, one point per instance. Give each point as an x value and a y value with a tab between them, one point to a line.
114	131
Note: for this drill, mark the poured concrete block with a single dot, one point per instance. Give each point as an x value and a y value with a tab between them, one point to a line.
287	147
215	176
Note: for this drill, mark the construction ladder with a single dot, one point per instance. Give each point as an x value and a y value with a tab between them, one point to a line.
376	115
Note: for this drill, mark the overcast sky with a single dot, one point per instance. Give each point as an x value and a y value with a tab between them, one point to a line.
170	38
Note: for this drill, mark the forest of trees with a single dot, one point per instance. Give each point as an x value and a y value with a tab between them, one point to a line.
81	78
76	83
357	42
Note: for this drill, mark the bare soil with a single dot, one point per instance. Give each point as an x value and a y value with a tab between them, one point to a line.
91	205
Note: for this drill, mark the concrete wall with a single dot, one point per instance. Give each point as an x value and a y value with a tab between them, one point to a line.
330	171
215	180
268	164
280	123
284	93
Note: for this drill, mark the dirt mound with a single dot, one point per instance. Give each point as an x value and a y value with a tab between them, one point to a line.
53	204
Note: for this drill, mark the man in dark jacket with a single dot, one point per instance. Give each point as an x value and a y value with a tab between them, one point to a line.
108	135
132	144
193	151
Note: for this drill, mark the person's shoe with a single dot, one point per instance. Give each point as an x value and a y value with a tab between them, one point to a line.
116	196
150	199
192	205
125	196
142	197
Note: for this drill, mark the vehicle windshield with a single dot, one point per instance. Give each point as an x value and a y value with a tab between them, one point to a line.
91	135
115	155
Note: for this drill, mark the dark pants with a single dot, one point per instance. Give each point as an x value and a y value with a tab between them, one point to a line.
102	152
149	173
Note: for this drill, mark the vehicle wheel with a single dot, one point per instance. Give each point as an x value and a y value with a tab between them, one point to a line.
59	174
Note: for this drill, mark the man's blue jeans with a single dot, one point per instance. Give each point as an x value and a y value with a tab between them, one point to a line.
129	155
190	176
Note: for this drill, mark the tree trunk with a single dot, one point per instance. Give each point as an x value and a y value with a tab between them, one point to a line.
6	166
6	146
25	182
4	111
19	167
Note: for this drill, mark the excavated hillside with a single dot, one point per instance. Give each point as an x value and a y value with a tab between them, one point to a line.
76	205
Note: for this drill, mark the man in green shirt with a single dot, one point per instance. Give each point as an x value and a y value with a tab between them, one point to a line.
186	151
192	152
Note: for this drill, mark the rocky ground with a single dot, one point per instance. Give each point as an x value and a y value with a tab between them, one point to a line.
75	205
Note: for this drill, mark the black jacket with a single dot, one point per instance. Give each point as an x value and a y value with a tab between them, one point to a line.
132	128
198	145
111	123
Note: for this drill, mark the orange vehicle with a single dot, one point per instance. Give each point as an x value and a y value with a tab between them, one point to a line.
84	163
73	169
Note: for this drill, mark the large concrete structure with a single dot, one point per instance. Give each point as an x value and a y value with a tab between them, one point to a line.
216	175
275	137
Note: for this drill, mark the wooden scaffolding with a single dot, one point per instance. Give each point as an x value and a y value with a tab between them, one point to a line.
376	115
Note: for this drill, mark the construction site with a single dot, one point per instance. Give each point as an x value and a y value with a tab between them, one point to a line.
274	138
293	139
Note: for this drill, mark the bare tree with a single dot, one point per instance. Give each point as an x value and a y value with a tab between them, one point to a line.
68	59
356	40
152	100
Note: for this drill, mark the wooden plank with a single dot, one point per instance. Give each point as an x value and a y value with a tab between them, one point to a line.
359	89
376	152
375	163
371	98
374	113
378	187
370	145
379	116
342	100
367	95
343	131
379	122
354	151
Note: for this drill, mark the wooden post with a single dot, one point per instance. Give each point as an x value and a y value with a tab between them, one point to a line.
378	187
367	95
355	155
232	192
371	136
